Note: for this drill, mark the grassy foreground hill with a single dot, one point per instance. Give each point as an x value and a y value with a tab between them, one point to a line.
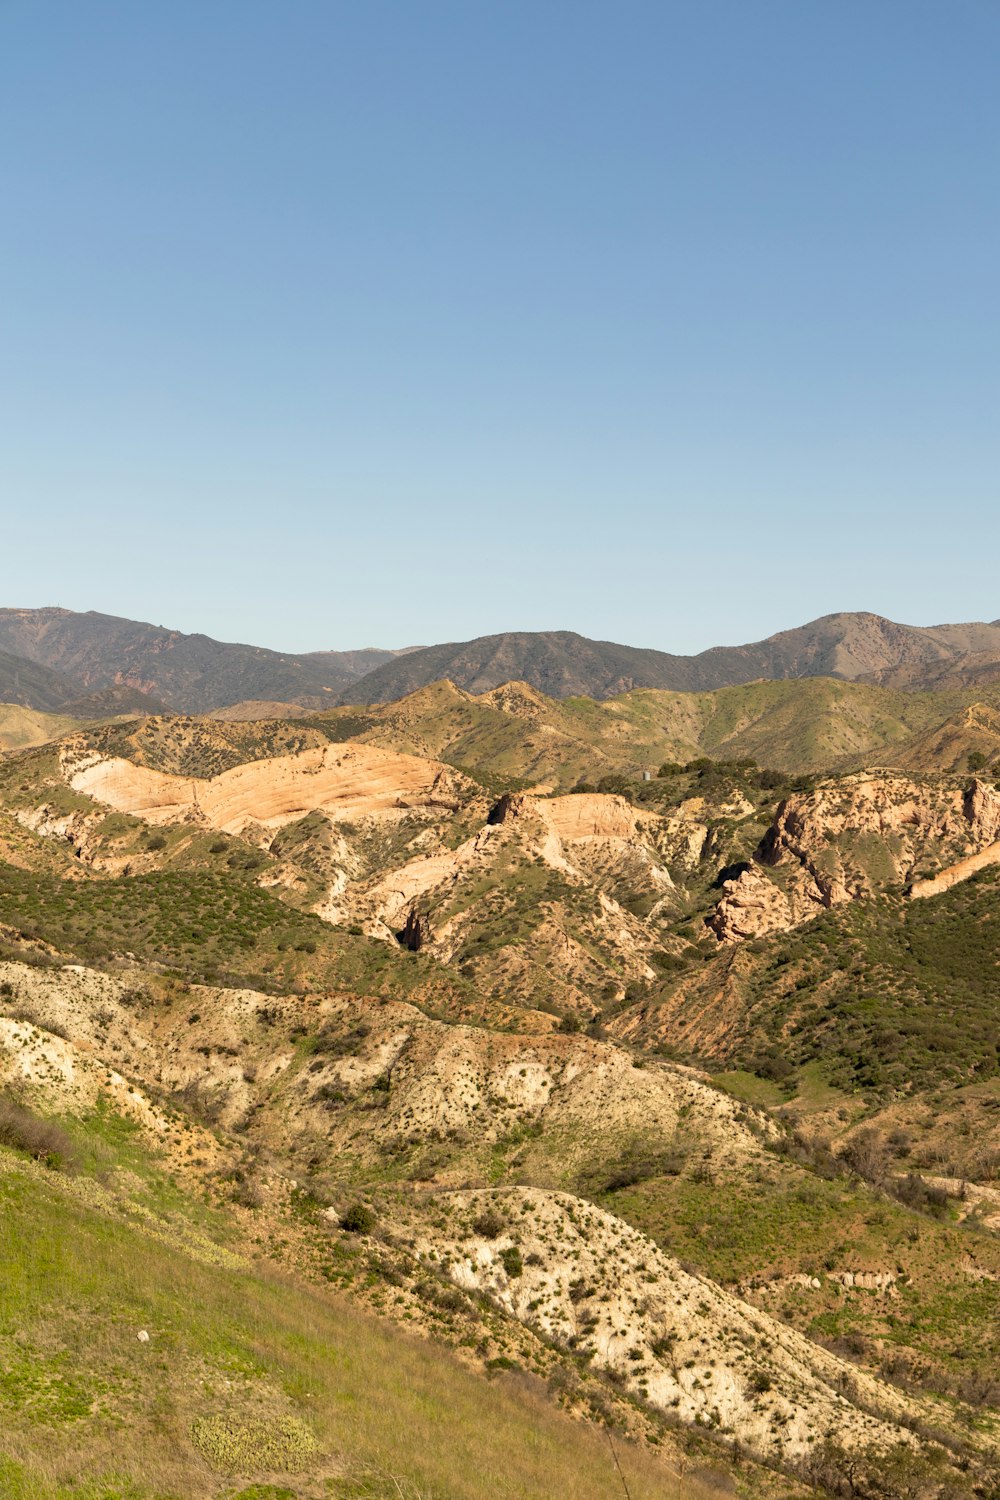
146	1357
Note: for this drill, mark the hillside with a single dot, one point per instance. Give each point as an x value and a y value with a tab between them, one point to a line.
192	1360
805	725
663	1105
191	673
21	728
94	653
25	682
515	735
562	664
360	1148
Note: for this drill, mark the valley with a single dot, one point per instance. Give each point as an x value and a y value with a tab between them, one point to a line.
631	1065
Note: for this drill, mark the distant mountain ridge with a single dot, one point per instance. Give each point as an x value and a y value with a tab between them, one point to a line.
31	685
857	647
193	674
56	659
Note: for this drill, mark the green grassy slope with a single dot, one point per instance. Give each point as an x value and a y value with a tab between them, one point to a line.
22	727
251	1384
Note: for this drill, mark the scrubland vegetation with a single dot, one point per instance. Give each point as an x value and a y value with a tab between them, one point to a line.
256	1180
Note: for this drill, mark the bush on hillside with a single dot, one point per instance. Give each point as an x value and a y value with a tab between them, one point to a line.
512	1262
359	1219
43	1140
867	1155
488	1224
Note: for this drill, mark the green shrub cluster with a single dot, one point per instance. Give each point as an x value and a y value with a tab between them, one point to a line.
884	992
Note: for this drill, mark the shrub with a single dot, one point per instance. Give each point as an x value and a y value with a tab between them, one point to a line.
43	1140
347	1044
867	1156
200	1100
621	786
156	841
512	1262
772	1065
638	1164
329	1093
488	1224
916	1192
359	1219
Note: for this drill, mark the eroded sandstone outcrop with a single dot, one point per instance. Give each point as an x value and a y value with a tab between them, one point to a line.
344	781
848	839
752	906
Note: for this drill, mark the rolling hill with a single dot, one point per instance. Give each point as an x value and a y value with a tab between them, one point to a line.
802	725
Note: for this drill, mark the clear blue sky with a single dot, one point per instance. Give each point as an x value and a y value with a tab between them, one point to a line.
328	323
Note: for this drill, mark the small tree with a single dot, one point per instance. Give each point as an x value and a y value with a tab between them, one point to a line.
866	1154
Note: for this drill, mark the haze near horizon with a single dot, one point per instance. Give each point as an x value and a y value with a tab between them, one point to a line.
669	325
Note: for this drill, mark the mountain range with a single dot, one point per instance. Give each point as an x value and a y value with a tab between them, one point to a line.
54	656
58	660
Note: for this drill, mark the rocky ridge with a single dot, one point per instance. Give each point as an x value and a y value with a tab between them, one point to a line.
848	839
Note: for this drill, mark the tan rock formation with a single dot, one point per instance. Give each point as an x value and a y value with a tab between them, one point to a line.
344	781
589	815
752	906
954	874
848	839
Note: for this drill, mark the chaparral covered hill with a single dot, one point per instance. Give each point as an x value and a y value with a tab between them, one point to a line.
853	647
670	1106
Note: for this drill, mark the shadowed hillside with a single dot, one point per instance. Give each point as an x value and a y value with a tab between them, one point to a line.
191	673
